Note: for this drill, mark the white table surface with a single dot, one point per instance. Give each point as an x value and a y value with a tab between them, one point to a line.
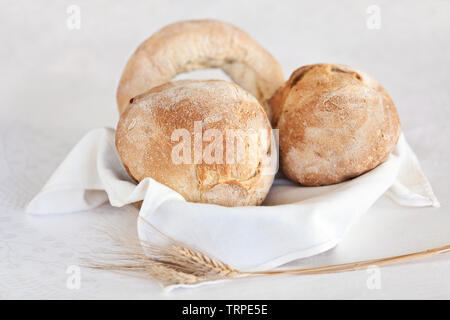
57	83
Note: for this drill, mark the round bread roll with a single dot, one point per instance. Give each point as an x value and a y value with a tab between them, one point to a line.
334	123
200	44
207	140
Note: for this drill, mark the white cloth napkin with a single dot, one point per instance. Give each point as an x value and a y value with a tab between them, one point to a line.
295	221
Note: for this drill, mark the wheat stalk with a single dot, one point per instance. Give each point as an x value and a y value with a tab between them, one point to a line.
175	263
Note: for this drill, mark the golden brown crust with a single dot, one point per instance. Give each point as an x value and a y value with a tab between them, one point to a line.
335	123
145	143
197	44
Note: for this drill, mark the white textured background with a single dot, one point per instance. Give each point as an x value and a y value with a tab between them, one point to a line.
56	84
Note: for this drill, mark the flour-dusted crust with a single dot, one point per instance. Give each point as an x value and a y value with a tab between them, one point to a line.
198	44
144	141
335	123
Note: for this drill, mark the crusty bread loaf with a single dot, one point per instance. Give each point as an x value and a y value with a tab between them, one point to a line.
199	44
151	129
335	123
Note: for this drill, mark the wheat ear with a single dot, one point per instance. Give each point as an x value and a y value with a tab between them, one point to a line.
173	262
